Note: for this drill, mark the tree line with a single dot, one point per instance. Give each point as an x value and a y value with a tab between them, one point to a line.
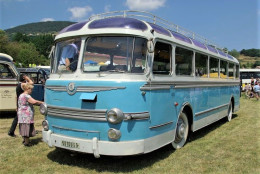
26	49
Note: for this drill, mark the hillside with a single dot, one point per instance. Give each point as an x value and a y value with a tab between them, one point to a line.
40	27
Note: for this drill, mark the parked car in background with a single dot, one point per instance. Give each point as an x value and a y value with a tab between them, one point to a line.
8	83
39	77
47	69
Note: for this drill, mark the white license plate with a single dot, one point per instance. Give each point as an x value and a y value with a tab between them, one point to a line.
70	144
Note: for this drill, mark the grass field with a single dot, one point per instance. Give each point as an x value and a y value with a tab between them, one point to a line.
224	147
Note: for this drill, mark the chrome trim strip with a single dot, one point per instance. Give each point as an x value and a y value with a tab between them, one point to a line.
76	130
84	88
160	85
56	88
212	109
161	125
137	116
97	88
84	114
88	114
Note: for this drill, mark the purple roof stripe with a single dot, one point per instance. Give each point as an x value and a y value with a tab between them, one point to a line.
160	29
229	56
210	48
118	22
181	37
221	53
74	27
199	44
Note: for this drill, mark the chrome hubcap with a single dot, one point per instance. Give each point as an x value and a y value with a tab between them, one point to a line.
180	133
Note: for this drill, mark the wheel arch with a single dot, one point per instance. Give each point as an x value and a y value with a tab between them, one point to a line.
186	107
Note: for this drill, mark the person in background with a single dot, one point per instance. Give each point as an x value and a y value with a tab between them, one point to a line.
19	90
247	89
256	90
69	56
26	114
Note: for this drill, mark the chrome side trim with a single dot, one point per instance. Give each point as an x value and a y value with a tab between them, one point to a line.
159	85
84	88
137	116
161	125
211	109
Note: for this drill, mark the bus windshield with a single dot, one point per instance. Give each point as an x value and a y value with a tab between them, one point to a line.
114	54
67	54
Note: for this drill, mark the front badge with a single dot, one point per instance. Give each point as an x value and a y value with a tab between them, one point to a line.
71	89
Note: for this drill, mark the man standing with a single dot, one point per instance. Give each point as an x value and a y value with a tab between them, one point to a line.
19	90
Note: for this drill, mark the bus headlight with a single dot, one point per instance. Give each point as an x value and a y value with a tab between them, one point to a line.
115	116
114	134
43	109
45	125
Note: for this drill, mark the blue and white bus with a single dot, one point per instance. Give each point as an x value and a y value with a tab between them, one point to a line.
140	83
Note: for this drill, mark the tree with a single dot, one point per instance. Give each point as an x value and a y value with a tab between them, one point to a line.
234	53
3	41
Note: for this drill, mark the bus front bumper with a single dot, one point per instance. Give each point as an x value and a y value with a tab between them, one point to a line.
97	147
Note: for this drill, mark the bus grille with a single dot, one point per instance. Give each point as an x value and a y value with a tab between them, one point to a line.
83	114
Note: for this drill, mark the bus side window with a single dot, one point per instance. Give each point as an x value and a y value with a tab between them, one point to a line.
162	59
213	67
223	69
201	65
183	61
231	70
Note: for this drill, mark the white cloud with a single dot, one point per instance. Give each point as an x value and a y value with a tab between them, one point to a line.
78	13
107	8
145	5
47	19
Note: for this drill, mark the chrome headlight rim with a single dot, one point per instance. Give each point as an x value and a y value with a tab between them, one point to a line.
45	125
114	134
115	116
43	109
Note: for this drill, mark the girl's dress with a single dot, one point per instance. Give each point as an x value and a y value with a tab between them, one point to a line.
25	116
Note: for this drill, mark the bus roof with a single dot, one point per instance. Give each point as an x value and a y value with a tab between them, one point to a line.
131	22
5	57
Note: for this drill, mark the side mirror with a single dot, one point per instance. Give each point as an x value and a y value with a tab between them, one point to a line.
150	46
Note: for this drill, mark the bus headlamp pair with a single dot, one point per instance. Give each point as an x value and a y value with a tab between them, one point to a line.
114	116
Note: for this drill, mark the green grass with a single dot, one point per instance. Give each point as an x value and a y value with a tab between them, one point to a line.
223	147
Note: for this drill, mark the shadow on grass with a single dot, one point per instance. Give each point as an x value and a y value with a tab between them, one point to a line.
35	141
126	163
7	114
204	131
109	163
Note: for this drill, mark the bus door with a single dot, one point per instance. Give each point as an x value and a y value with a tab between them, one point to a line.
161	93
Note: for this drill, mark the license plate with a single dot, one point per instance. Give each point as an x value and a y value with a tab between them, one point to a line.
70	144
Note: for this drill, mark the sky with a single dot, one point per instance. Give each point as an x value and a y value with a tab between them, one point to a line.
233	24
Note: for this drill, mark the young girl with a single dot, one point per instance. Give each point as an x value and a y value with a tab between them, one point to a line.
26	114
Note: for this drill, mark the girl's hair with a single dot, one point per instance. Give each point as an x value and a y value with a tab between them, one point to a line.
27	86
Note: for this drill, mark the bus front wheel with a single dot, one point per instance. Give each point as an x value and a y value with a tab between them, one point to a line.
182	131
230	112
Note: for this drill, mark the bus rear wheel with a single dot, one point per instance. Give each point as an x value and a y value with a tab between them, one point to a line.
182	131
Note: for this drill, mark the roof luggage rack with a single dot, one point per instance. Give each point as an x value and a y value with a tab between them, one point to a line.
149	17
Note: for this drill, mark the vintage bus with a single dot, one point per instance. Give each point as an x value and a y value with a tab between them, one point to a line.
140	83
246	76
8	83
